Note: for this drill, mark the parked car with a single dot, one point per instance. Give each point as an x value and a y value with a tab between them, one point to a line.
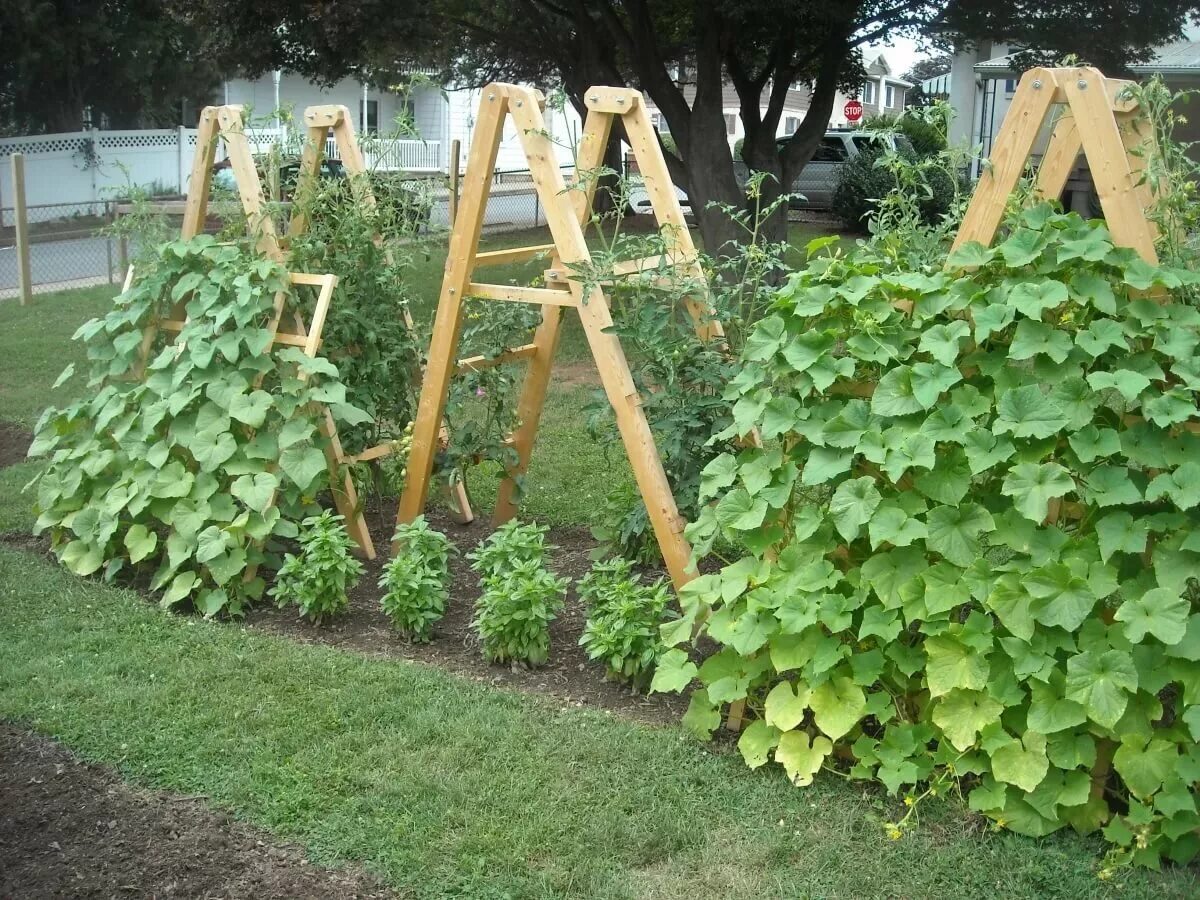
224	179
815	184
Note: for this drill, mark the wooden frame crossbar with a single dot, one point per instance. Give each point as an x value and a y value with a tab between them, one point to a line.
1096	116
227	123
567	212
322	121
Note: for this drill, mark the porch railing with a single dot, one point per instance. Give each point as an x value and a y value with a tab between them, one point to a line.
396	155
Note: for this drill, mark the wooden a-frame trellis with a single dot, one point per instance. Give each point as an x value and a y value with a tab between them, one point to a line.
335	120
227	123
567	211
1099	117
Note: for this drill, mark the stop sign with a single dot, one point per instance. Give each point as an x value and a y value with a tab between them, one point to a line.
853	110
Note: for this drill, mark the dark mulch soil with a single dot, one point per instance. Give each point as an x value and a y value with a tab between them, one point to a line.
14	443
569	677
70	829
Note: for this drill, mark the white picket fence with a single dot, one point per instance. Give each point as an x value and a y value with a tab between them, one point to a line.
89	167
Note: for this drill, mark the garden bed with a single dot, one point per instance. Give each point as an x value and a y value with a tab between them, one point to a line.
74	829
569	676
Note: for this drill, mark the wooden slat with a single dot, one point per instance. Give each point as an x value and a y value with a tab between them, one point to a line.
589	158
1059	160
1013	145
447	325
325	116
377	452
516	294
606	348
516	254
480	363
669	215
612	100
1108	161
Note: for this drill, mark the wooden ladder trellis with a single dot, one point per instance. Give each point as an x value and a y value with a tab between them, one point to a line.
567	212
1099	117
227	123
323	121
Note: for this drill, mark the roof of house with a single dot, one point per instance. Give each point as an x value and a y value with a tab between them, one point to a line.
879	66
1180	57
1176	58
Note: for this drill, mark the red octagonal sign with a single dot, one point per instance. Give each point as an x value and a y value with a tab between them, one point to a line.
853	110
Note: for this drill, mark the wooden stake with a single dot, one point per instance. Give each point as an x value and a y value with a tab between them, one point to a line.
21	214
455	152
447	325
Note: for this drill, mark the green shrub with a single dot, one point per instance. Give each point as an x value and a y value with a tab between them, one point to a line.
416	580
969	548
623	617
926	134
866	179
520	597
193	473
317	578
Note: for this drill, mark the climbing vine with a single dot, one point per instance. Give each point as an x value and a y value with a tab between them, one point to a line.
968	548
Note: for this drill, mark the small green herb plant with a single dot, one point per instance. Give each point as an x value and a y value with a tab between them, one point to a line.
317	578
623	619
416	581
520	597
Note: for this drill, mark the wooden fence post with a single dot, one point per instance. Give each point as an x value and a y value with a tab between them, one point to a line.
24	280
455	149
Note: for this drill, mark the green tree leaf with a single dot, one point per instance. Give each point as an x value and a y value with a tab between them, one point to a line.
739	511
952	664
1127	383
1027	412
894	394
963	714
853	504
800	758
1159	612
837	705
1022	762
1102	682
1033	486
786	704
256	491
250	409
1145	765
1120	532
302	464
140	542
954	531
757	742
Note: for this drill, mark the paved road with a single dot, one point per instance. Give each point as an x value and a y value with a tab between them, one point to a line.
59	261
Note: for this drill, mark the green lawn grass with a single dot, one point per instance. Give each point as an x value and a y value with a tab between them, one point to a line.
447	788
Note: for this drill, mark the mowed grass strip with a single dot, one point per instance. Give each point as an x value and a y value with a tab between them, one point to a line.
447	788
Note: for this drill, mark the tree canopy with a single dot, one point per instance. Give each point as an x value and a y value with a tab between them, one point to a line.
681	53
129	61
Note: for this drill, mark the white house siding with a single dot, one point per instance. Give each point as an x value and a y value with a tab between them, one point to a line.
462	108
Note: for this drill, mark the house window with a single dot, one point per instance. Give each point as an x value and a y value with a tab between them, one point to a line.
372	122
889	96
1010	85
790	124
731	124
660	123
869	93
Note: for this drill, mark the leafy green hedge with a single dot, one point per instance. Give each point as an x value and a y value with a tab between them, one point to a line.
968	551
190	474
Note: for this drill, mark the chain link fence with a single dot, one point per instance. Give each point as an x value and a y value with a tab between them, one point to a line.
72	245
67	247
